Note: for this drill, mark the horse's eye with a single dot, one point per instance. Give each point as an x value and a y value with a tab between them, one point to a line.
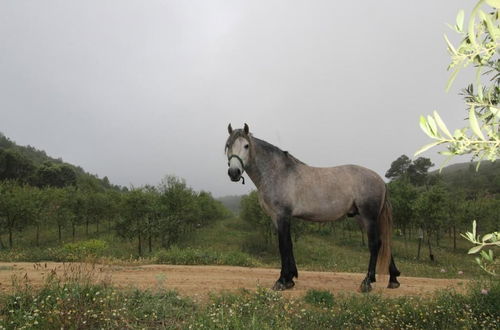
246	146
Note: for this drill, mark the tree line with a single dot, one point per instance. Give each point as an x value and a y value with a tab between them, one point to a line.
150	215
427	206
27	165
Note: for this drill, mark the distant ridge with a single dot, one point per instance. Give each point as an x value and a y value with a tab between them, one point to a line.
33	166
464	176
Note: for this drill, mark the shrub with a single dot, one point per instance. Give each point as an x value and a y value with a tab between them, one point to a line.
192	256
80	251
319	297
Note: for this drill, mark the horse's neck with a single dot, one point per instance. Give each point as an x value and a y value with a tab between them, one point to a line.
260	170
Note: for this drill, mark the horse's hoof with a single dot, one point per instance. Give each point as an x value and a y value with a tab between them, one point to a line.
278	286
393	285
365	287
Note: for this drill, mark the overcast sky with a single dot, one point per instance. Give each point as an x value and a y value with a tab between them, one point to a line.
135	90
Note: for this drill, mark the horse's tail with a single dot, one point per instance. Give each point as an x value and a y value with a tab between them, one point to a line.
385	232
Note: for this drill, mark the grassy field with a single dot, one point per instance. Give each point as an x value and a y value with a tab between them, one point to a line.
79	304
234	242
340	251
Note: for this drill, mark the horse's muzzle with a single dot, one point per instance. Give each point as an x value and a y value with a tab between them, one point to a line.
234	173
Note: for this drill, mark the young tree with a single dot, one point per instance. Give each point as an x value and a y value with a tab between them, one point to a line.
431	211
253	213
60	208
180	210
403	195
135	211
16	207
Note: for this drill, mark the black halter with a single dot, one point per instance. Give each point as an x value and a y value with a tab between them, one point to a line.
242	165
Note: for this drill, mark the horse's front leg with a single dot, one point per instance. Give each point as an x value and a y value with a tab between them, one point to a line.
288	267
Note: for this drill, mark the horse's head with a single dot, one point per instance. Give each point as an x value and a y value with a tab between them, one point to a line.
238	152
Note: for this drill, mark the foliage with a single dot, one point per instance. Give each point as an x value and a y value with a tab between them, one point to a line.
150	216
319	298
402	196
487	262
479	47
463	176
28	165
414	171
194	256
431	208
252	212
85	249
91	306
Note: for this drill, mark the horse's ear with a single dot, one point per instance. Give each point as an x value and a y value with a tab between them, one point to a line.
229	128
246	129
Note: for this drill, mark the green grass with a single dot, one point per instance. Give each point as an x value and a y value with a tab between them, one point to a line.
234	242
89	306
339	251
205	256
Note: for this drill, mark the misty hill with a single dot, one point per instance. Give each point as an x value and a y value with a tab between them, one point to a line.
464	176
231	202
34	167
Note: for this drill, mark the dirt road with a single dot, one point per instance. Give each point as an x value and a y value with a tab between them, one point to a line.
199	281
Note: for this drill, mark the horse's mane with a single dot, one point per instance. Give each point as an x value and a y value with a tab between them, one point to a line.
268	147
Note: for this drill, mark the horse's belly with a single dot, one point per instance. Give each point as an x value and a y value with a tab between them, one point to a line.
328	211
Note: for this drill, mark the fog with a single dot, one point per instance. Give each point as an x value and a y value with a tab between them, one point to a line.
135	90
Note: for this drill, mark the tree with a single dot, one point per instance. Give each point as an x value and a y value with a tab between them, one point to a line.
431	211
404	168
399	168
61	206
40	201
403	195
479	47
418	171
14	166
55	175
253	214
135	210
180	210
16	207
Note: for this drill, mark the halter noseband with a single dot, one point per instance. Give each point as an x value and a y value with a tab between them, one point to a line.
238	158
241	162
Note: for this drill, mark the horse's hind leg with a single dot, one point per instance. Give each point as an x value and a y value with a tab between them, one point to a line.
288	267
374	246
393	274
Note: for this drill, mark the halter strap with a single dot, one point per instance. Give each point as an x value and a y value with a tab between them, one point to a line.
238	158
241	162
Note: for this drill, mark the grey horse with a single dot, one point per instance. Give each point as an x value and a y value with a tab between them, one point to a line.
289	188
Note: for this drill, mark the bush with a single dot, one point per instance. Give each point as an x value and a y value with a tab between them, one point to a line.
191	256
80	251
319	298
